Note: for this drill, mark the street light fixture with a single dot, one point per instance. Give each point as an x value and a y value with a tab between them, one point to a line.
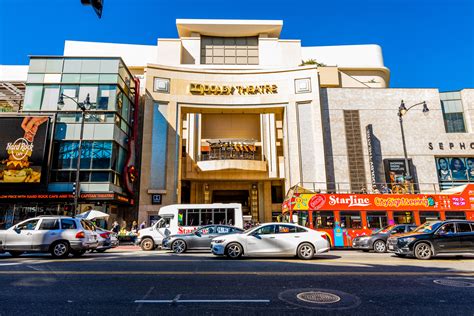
402	110
84	106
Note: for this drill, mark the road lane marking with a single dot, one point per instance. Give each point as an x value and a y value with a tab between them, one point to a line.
258	273
198	301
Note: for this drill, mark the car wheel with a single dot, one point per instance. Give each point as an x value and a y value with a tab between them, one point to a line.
179	246
423	251
305	251
147	244
380	246
16	253
78	253
234	251
59	249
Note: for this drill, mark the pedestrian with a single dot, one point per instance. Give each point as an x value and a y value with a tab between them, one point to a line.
375	190
363	190
134	227
115	227
143	225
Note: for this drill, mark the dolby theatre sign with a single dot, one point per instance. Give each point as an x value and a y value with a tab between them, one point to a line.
204	89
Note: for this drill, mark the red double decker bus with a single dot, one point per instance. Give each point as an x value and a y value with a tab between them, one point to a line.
345	216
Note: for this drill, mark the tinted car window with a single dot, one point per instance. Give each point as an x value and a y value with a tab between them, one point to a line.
29	225
49	224
398	230
269	229
68	224
207	230
410	228
300	230
87	225
446	229
463	228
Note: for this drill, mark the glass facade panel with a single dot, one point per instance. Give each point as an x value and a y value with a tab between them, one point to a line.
52	78
54	66
453	112
37	65
108	78
88	90
102	155
71	91
218	50
89	78
35	78
109	66
33	97
50	98
71	78
72	65
106	97
100	176
90	66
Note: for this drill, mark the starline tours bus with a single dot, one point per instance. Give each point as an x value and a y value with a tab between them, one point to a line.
345	216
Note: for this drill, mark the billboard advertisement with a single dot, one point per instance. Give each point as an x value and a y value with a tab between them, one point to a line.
23	151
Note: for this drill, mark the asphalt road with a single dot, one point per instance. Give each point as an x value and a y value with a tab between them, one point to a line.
130	281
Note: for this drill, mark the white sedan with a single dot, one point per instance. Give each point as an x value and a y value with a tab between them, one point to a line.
272	239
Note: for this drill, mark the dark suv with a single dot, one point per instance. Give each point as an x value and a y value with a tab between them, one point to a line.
432	238
378	240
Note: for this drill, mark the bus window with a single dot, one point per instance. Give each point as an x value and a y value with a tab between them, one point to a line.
351	220
376	220
303	218
403	218
428	216
323	219
455	215
193	218
219	216
181	217
230	216
206	217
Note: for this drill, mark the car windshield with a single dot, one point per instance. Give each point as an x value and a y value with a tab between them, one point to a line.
250	229
427	227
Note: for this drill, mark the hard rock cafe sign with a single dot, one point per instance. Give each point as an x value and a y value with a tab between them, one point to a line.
205	89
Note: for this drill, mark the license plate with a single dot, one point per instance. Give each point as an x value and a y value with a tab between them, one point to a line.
390	247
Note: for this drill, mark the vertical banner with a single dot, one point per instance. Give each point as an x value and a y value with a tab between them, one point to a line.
370	134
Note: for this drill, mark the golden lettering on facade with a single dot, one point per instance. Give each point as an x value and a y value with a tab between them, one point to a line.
204	89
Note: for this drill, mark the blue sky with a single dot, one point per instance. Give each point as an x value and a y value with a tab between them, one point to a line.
426	43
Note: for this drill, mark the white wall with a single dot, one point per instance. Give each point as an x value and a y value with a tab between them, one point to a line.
13	73
132	55
366	56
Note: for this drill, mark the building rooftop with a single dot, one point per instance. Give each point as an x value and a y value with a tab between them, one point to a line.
229	28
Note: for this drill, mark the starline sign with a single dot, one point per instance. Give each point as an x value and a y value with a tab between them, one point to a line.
351	201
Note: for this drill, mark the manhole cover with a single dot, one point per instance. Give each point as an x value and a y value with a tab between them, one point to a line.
318	297
454	283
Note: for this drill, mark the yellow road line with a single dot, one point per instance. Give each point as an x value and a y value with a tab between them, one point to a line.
260	273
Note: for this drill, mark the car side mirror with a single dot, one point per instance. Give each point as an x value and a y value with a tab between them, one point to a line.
256	235
197	233
17	230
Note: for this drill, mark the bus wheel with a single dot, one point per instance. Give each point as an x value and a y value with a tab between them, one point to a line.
147	244
380	246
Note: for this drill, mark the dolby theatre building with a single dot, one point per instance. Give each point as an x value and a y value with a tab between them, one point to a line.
233	113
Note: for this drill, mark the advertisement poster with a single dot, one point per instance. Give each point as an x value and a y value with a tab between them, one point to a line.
454	171
23	149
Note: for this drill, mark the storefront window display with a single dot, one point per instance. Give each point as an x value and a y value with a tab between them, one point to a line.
454	171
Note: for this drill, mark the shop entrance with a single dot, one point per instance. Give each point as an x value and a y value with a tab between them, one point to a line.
232	196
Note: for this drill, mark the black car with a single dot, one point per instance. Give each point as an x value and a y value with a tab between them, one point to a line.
433	238
378	240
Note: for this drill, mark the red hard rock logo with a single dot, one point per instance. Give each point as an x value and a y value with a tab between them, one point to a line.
316	202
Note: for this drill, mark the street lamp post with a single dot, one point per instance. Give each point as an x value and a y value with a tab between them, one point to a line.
402	110
82	106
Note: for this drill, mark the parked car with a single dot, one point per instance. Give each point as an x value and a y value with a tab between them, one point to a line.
58	235
377	241
433	238
199	239
272	239
106	239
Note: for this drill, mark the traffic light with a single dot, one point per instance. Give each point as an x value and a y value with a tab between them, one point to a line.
97	5
74	189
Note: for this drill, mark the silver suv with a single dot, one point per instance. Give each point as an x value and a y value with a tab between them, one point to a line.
58	235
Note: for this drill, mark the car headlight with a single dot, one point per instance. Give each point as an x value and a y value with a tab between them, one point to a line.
406	240
218	241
